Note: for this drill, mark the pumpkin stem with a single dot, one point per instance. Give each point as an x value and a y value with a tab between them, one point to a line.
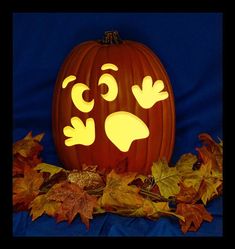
111	37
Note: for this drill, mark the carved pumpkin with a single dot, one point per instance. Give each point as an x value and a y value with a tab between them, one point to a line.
113	102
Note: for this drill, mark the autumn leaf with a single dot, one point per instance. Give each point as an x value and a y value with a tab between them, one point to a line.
118	194
26	188
28	146
124	199
73	200
187	194
194	215
167	178
211	151
48	168
26	153
153	210
185	164
41	205
208	189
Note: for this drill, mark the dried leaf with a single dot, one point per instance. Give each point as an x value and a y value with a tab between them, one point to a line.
41	205
73	200
26	188
48	168
194	215
167	178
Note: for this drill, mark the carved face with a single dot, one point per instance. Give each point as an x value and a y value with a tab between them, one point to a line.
113	103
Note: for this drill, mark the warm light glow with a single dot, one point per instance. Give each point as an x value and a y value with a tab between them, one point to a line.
111	82
78	100
67	80
150	94
109	66
80	133
122	128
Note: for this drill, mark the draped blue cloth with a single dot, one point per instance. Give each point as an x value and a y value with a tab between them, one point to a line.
189	46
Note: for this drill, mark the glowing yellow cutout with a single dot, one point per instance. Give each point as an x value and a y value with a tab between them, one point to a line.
67	80
80	133
107	66
150	94
111	82
122	128
78	100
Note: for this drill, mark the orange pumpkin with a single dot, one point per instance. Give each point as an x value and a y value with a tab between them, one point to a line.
113	102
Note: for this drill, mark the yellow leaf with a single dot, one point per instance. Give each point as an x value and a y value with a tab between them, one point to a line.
167	178
49	168
118	194
185	164
210	190
42	205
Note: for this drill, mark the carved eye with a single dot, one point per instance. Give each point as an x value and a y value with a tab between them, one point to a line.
79	102
76	94
110	82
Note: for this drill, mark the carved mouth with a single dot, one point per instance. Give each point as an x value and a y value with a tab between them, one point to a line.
122	128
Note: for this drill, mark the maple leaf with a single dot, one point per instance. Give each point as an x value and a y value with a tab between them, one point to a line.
28	146
211	151
48	168
26	153
167	178
185	164
41	205
73	200
118	194
194	215
26	188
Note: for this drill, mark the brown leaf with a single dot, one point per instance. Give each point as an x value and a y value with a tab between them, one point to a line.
194	215
73	200
26	188
187	194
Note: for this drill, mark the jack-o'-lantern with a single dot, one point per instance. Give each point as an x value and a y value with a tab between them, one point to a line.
113	102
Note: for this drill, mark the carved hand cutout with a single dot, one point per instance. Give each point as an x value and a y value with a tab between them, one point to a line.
150	93
80	133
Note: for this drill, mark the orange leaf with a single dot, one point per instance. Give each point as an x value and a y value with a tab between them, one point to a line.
26	152
194	215
211	151
73	200
28	146
26	188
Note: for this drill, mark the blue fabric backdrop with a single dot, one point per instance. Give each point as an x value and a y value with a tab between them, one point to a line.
190	47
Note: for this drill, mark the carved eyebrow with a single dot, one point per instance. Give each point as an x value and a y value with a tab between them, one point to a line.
109	66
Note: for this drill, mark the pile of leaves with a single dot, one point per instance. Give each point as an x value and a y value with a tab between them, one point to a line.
181	191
